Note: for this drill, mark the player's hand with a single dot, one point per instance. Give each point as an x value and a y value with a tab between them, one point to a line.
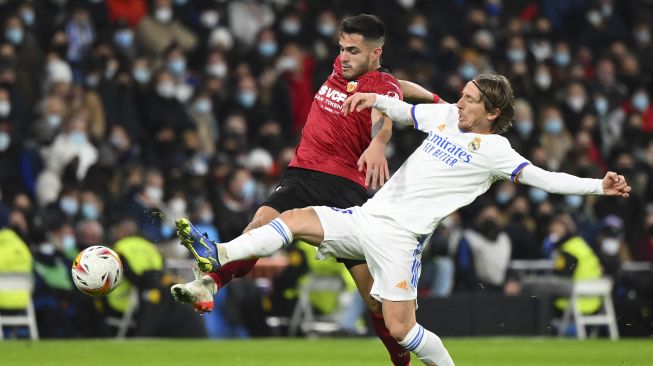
357	102
615	185
373	159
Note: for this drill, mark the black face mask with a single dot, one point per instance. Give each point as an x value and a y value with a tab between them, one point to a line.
650	230
489	228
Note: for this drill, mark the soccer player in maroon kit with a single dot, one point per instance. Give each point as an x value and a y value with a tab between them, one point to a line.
335	161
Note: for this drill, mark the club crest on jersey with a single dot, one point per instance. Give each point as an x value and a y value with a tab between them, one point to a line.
441	127
351	86
475	144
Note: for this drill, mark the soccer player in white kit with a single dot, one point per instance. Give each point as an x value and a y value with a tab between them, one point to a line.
458	161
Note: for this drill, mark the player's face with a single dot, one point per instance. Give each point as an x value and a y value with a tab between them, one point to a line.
472	115
356	55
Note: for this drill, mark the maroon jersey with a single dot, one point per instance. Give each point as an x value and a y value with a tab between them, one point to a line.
332	143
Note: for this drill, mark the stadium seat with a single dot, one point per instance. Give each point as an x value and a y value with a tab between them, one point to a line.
25	282
304	316
600	287
127	320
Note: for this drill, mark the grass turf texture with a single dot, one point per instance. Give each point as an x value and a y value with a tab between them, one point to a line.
304	352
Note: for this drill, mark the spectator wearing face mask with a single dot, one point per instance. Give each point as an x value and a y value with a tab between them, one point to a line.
640	105
574	259
165	120
235	204
483	254
294	88
611	246
555	138
54	292
524	132
72	143
248	102
159	29
146	206
576	106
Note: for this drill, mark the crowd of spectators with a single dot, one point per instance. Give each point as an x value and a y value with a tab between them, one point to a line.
153	110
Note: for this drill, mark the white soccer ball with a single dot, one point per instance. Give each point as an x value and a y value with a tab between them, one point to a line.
97	270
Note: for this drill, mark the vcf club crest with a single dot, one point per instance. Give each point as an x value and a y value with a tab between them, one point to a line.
475	144
351	86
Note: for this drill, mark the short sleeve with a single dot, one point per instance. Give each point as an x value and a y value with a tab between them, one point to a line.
389	86
428	117
507	163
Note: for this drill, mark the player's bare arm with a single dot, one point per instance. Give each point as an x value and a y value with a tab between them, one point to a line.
373	158
398	111
415	93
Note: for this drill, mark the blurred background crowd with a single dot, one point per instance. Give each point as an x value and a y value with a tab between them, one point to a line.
118	116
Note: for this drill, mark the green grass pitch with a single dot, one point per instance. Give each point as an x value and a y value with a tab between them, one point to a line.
307	352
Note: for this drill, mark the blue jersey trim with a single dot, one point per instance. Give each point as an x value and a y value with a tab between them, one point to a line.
515	173
412	113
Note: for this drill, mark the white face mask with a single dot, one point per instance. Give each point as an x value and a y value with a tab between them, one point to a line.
209	18
219	70
163	15
166	89
177	205
5	140
155	194
5	108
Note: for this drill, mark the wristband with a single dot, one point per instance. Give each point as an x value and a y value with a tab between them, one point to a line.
436	98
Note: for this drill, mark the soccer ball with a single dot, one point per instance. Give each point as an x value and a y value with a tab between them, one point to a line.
97	270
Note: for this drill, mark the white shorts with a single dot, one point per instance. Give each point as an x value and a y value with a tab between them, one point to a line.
393	254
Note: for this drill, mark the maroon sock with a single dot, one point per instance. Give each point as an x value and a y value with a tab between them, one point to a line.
398	354
231	270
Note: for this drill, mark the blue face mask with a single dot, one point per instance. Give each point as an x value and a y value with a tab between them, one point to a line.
601	105
516	55
69	242
141	75
248	190
5	140
203	106
537	195
124	38
177	66
524	128
326	29
553	126
573	201
267	49
503	197
291	27
418	30
247	99
69	206
561	58
92	81
640	102
89	211
77	137
27	16
468	71
53	120
14	35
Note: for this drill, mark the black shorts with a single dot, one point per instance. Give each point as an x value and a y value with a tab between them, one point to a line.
301	188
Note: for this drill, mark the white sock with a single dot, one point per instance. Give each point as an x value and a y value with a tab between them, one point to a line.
259	242
427	347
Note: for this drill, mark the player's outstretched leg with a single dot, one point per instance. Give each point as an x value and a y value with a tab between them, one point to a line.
204	250
198	293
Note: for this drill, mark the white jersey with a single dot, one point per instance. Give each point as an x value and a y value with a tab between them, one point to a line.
448	171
